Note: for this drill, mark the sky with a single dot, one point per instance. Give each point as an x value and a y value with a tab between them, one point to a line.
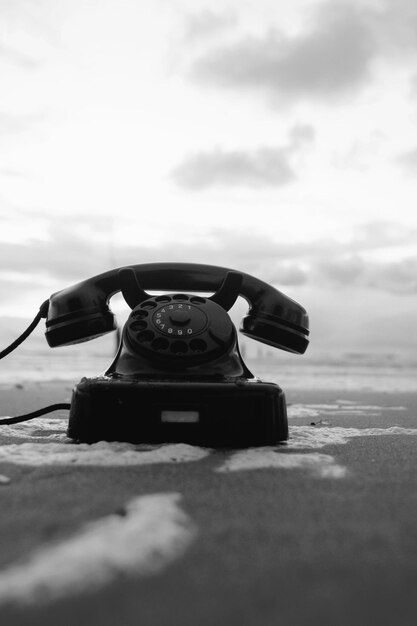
274	137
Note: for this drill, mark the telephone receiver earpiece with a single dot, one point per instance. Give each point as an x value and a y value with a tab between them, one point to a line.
81	312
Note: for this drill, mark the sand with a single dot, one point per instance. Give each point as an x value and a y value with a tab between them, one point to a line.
320	531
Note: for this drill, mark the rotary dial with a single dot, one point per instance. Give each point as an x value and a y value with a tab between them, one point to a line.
176	326
179	319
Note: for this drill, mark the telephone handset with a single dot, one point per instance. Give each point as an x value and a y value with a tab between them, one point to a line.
81	312
178	374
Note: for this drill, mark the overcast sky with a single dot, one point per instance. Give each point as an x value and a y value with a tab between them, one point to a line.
276	137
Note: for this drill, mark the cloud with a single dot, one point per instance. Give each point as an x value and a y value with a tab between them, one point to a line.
264	167
343	271
25	38
63	257
382	234
12	173
16	57
12	123
334	55
74	251
70	250
330	58
14	288
207	23
408	160
288	274
300	134
396	277
394	24
352	263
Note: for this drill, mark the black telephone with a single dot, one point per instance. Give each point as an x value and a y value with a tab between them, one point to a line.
178	374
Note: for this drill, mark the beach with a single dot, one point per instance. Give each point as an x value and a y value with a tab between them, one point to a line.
319	530
173	172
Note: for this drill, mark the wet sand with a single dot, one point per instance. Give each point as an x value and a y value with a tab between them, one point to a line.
289	544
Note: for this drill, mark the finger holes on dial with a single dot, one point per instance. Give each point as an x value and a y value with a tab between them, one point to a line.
145	335
179	347
160	344
148	304
198	345
141	314
197	300
137	326
163	299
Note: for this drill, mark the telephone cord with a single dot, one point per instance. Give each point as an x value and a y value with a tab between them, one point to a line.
43	312
30	416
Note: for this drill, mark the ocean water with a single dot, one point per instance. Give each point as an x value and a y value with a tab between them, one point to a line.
355	371
366	373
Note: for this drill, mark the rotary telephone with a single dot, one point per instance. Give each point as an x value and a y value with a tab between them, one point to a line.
178	374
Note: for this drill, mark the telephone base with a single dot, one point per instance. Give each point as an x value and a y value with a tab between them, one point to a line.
238	413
